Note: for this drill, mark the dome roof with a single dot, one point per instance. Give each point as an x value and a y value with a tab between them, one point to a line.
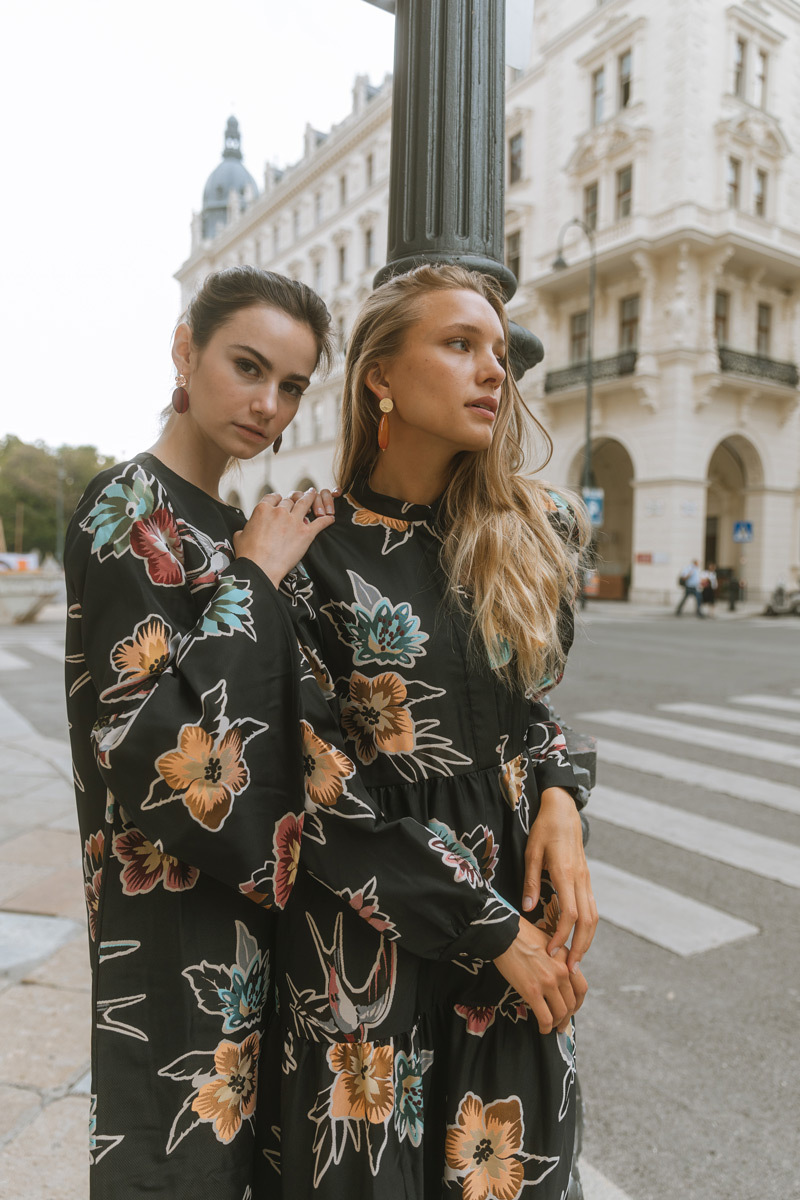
230	176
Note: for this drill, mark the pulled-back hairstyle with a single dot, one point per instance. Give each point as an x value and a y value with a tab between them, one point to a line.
224	293
500	547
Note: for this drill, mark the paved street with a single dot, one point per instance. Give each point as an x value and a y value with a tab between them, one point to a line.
689	1058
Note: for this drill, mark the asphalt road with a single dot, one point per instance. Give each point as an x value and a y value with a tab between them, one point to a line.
689	1062
690	1066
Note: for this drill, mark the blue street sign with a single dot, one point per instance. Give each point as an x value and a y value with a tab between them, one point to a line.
743	531
594	499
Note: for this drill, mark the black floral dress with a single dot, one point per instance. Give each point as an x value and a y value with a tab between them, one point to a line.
205	754
406	1071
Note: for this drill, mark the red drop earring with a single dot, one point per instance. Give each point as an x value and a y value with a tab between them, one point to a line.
386	405
276	445
180	397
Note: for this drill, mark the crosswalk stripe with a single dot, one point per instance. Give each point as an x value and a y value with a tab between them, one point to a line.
723	843
699	775
596	1186
12	723
778	703
660	915
678	731
10	662
728	716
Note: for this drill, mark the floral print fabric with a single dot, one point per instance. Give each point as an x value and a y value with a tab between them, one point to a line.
211	776
408	1075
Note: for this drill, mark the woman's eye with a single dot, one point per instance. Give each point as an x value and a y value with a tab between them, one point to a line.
294	390
462	343
247	366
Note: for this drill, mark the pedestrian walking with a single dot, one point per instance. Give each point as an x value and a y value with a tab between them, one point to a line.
690	580
435	613
708	589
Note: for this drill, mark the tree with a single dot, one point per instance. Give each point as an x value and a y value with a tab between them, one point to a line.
29	485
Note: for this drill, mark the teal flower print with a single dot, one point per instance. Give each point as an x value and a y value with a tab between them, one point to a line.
408	1098
243	1001
118	508
377	630
473	856
229	610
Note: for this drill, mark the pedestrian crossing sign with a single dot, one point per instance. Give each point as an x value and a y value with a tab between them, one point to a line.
594	499
742	531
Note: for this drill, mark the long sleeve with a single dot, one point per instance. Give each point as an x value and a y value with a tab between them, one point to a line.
182	681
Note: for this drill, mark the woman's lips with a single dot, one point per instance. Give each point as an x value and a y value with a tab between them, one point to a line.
254	434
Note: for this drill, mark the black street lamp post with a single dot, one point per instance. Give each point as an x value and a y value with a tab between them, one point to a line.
446	184
559	265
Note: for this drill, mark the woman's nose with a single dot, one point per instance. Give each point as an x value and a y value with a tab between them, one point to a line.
266	400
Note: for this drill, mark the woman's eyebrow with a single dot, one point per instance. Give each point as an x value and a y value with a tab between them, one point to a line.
267	365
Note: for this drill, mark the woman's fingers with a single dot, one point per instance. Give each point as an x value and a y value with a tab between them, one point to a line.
326	499
585	926
534	856
272	499
567	915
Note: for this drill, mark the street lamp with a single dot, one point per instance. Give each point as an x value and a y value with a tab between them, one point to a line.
559	264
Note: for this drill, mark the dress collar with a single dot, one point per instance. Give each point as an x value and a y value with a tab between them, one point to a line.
389	506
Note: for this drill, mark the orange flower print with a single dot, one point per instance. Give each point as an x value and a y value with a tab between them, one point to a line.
512	779
325	768
374	716
364	516
484	1148
363	1087
230	1098
92	877
146	653
549	918
209	773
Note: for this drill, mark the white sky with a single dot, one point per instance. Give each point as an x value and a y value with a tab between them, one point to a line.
114	118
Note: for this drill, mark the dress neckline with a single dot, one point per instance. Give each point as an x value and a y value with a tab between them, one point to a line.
147	458
390	506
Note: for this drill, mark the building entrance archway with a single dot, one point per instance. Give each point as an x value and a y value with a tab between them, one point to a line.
734	472
612	470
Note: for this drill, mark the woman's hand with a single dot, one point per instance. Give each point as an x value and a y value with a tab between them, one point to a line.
323	501
279	532
544	982
556	842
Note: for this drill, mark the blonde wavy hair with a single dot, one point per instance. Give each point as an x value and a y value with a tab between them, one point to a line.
507	565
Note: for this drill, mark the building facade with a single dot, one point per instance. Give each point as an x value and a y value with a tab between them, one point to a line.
673	133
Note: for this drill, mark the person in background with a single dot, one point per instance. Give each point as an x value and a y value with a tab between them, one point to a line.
708	593
691	581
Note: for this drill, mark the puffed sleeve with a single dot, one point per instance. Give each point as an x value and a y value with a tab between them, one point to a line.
180	690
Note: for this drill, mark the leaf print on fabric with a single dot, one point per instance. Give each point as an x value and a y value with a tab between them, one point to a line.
375	718
377	630
107	1016
566	1048
513	776
229	1098
227	613
483	1150
298	587
409	1103
366	903
93	851
398	531
156	541
145	865
237	992
206	770
99	1144
325	768
547	742
340	1007
473	856
272	884
126	500
313	667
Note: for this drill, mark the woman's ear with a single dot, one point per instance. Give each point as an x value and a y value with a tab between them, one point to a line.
377	382
182	349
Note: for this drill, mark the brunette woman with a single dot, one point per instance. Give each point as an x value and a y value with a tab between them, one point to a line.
171	712
417	1062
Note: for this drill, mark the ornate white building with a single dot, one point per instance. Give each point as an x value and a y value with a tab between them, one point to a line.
673	131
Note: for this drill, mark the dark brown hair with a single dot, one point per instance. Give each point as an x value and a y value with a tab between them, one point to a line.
224	293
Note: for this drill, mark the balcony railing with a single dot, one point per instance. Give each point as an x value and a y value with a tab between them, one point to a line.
602	368
759	366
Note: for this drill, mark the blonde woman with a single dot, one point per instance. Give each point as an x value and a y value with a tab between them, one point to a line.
434	614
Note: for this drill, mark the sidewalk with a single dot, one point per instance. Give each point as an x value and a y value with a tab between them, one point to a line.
44	972
621	610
